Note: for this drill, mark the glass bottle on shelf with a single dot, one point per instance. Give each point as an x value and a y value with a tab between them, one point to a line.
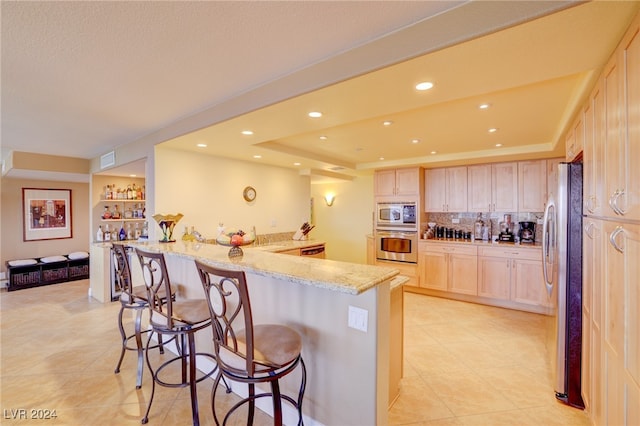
128	214
106	214
140	196
107	233
129	232
122	235
116	212
145	229
100	234
136	232
129	193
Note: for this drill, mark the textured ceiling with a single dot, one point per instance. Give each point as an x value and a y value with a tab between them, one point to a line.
81	78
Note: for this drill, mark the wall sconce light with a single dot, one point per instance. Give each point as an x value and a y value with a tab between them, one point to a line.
328	198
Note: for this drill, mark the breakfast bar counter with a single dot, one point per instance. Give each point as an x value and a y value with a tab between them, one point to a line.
347	367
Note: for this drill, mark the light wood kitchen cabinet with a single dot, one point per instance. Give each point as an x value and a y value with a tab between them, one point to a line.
592	296
574	141
446	189
552	176
620	324
592	154
532	185
622	133
493	187
512	273
398	182
448	267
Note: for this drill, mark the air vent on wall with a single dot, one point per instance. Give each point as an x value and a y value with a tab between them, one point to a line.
108	160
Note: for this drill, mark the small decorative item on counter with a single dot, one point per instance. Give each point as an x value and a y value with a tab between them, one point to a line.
237	237
167	223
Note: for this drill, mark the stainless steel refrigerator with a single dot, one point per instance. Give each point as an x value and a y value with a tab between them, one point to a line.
562	263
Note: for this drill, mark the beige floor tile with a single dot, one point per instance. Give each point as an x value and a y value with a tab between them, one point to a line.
465	364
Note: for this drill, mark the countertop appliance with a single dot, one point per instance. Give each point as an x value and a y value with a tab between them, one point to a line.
396	216
527	232
562	267
506	230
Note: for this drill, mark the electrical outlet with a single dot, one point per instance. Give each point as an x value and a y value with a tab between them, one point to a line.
274	223
358	318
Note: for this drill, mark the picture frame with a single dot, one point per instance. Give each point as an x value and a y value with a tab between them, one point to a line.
46	214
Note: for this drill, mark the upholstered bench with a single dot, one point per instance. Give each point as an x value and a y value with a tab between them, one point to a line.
27	273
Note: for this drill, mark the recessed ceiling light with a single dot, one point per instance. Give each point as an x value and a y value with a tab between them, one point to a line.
434	152
247	132
296	164
133	175
484	106
425	85
414	141
257	156
498	145
387	123
493	130
323	138
202	145
315	114
381	158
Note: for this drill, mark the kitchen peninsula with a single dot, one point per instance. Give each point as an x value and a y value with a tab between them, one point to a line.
347	369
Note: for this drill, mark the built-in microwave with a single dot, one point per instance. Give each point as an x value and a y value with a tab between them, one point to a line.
395	215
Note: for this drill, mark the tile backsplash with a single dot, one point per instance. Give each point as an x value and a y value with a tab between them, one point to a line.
467	221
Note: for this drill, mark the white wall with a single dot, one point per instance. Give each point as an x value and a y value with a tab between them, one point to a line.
208	190
344	225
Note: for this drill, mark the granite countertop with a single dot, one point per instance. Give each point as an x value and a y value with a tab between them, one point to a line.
345	277
285	245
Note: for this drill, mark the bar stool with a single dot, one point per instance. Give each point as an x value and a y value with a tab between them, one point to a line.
132	298
249	353
180	319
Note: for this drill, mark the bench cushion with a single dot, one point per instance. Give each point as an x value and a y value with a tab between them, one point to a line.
51	259
22	262
78	255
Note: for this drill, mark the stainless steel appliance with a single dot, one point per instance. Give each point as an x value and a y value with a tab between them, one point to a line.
562	265
396	215
313	251
399	246
396	232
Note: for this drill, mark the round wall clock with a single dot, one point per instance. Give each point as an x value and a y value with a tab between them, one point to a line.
249	193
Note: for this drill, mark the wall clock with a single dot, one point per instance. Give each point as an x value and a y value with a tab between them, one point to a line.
249	193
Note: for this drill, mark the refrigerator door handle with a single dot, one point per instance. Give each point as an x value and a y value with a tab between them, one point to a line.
548	242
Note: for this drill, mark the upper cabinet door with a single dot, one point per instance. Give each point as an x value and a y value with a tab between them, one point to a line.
532	185
504	185
629	203
479	188
397	182
408	181
456	189
385	183
435	199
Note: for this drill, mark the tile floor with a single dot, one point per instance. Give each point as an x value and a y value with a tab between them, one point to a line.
465	364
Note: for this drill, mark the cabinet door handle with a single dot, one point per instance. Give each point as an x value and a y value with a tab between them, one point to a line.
588	229
613	236
613	201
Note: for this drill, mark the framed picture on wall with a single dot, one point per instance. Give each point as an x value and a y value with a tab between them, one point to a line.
46	214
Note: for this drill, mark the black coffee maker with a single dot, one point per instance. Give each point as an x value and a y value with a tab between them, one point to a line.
527	232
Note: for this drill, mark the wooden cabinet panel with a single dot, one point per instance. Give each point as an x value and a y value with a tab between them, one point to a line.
504	187
463	274
613	143
592	154
528	283
449	267
532	185
384	183
433	270
446	189
397	182
575	139
494	276
479	188
435	190
630	200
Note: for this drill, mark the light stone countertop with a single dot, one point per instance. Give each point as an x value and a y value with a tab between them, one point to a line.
536	245
345	277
